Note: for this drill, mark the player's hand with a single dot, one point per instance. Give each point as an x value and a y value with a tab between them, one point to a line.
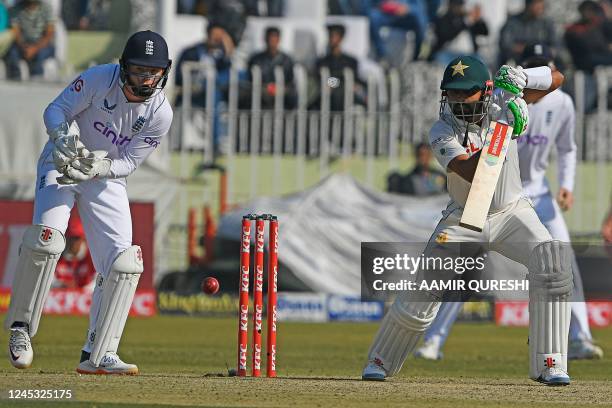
95	164
520	115
565	199
67	144
510	109
511	79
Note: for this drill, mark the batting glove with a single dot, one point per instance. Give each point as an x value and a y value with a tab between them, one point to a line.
511	79
510	109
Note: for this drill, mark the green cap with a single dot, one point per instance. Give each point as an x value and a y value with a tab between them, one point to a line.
465	73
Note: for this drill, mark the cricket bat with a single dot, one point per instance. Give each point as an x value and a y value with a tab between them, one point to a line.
487	173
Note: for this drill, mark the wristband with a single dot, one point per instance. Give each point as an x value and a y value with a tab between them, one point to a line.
539	78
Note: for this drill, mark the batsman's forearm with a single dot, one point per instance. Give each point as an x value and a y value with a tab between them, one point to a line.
534	95
464	166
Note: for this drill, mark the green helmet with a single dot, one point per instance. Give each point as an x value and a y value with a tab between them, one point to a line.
465	73
471	75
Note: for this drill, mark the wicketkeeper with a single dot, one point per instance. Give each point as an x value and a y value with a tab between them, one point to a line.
469	101
101	128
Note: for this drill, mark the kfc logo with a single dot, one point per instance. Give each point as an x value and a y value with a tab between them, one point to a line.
257	357
243	357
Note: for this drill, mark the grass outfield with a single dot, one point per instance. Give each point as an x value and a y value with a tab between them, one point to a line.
319	365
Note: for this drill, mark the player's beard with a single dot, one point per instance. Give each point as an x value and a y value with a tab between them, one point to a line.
472	112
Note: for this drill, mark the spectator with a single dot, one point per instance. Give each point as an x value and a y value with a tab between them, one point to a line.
606	232
407	15
348	7
423	180
231	15
589	39
336	61
75	268
606	228
32	26
528	27
217	49
3	17
268	60
456	32
271	8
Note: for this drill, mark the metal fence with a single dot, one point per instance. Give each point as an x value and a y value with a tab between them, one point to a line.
396	111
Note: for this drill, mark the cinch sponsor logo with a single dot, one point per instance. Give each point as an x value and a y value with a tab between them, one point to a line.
106	130
151	142
533	140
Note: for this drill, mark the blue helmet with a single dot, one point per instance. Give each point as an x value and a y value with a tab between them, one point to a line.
148	49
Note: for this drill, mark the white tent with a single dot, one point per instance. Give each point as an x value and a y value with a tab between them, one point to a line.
321	229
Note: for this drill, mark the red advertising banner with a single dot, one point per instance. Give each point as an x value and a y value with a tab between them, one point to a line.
16	216
76	302
517	313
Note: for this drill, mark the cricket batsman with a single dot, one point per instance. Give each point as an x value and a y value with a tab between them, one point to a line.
552	124
122	115
512	227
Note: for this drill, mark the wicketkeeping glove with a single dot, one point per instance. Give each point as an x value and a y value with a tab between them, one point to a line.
511	79
67	145
95	164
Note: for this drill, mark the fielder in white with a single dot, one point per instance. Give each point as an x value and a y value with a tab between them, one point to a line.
101	128
512	227
551	123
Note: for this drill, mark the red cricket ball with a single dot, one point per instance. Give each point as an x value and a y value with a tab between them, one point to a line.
210	285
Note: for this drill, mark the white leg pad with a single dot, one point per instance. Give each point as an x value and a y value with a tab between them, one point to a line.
402	328
550	290
117	295
38	255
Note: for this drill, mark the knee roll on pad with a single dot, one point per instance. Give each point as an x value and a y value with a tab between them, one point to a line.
550	288
401	330
417	313
117	294
550	269
38	255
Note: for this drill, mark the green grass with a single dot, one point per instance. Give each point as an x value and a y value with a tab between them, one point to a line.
184	360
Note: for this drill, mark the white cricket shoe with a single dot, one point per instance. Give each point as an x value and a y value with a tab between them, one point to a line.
430	350
553	376
374	371
110	364
20	348
584	350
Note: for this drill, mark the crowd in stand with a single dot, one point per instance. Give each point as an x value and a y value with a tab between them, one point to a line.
440	30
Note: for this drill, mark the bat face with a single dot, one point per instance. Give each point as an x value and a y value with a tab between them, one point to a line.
487	173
